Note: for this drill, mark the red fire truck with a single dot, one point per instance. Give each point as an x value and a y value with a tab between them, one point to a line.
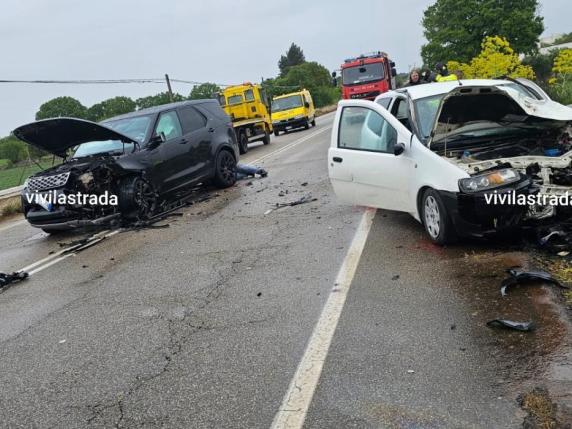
367	76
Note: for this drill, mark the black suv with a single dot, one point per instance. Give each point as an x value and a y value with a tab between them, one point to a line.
141	158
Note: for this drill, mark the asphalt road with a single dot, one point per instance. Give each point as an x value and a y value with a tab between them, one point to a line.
203	324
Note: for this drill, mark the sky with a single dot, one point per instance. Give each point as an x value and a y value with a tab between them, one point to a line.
222	41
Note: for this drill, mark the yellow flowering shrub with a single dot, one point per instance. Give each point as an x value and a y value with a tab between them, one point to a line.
496	59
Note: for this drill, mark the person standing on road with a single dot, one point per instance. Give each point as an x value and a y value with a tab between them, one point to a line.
443	74
414	78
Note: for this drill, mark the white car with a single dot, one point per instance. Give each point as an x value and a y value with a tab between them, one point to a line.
439	151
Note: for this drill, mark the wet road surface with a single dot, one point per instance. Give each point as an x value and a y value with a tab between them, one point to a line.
203	324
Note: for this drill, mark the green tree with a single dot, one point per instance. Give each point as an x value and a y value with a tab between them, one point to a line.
454	29
204	90
294	57
307	75
62	107
315	78
111	107
157	100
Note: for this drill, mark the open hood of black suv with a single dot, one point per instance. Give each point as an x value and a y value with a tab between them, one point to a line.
58	135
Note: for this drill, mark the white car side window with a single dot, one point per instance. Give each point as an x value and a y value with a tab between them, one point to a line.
365	129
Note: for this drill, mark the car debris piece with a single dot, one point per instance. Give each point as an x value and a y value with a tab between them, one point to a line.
518	276
511	324
305	199
7	279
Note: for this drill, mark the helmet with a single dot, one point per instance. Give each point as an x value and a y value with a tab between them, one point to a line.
442	69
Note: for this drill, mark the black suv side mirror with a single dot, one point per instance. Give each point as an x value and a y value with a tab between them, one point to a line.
157	140
398	149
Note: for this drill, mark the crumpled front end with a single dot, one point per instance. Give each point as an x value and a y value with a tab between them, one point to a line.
72	195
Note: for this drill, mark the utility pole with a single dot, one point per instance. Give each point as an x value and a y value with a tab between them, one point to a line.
169	87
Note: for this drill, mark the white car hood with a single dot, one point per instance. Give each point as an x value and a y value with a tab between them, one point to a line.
474	104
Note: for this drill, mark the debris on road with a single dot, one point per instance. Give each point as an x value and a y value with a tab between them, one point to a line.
510	324
518	276
395	277
7	279
305	199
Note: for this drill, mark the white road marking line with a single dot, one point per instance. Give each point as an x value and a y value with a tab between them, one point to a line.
290	145
296	402
59	256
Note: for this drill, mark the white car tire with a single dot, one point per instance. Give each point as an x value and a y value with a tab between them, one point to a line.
435	218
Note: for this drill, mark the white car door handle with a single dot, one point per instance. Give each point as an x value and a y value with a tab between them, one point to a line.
337	159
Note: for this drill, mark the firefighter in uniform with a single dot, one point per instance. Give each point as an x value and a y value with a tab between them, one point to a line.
443	74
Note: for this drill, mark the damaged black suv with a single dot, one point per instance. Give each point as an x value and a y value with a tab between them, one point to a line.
137	161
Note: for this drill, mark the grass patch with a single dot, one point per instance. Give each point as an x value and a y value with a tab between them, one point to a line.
4	163
15	176
326	109
10	206
540	408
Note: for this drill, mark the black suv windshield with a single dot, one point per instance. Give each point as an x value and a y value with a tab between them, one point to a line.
135	128
286	103
361	74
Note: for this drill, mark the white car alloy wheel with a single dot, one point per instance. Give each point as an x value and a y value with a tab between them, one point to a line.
432	217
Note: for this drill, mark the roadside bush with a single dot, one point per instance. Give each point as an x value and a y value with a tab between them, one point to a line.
12	149
496	59
325	95
561	82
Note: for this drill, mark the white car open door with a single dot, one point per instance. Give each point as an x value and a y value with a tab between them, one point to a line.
370	161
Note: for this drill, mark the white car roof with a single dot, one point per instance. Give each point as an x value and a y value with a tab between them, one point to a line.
436	88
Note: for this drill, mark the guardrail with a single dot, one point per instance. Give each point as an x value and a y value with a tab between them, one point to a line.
11	192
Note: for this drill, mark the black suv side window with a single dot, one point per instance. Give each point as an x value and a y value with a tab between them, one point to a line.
192	120
169	124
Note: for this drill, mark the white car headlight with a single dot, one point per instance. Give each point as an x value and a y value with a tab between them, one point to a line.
490	180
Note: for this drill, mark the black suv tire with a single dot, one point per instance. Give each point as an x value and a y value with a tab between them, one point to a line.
137	198
225	173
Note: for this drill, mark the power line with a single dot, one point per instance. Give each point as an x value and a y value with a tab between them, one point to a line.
121	81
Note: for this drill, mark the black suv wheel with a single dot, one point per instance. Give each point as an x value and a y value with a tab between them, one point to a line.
242	142
225	174
137	199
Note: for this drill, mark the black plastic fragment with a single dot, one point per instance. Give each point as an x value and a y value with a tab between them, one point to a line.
518	276
303	200
511	324
7	279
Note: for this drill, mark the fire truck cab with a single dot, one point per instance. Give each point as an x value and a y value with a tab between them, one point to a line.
367	76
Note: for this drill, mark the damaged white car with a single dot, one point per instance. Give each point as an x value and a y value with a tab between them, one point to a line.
469	157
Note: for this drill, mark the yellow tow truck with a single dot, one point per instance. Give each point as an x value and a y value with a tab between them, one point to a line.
248	109
294	110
